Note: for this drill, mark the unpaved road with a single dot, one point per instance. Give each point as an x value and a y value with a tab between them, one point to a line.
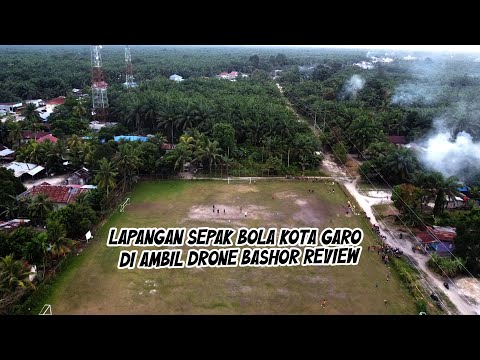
461	287
455	293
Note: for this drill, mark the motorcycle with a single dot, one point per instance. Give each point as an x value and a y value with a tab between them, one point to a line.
446	285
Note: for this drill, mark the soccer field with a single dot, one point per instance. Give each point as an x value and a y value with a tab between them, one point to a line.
92	284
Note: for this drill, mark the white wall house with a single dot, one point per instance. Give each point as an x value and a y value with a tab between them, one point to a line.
176	78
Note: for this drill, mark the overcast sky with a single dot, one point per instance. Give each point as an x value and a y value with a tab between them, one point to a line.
453	48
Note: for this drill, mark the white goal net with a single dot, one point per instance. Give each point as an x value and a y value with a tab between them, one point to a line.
124	204
46	310
240	180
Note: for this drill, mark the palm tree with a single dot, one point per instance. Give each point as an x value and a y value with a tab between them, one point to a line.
40	207
127	161
168	119
35	251
37	153
105	177
74	141
475	192
363	131
15	134
79	110
160	139
228	161
446	187
181	154
55	154
12	274
210	154
10	209
60	244
135	113
30	114
402	164
151	108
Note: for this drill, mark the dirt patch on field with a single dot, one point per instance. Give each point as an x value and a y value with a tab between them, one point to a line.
147	206
245	188
285	195
223	213
308	214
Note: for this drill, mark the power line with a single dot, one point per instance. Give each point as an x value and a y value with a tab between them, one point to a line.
393	191
400	218
373	210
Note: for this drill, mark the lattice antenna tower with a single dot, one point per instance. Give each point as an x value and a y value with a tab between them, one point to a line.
99	86
129	81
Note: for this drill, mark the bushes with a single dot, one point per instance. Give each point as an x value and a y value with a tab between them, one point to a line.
446	266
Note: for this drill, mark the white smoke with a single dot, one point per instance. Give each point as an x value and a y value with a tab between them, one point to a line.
452	157
415	94
352	87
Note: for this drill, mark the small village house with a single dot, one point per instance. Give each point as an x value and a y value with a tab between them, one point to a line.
24	171
438	239
59	195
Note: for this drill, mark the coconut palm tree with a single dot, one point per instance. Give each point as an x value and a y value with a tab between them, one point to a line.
35	251
106	175
80	110
13	274
228	162
39	208
151	108
475	192
181	155
446	188
30	114
363	131
168	119
209	154
10	209
135	113
15	134
36	154
74	141
402	163
60	244
127	161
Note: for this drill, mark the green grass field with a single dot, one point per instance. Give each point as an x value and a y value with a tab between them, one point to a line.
92	284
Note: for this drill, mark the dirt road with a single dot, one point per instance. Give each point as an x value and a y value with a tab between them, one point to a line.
456	293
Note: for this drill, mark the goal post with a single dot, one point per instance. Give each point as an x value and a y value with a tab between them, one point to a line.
239	180
46	310
124	204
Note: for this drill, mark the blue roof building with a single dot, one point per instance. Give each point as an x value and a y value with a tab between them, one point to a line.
130	138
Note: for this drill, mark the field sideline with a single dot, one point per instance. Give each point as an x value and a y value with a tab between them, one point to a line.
92	284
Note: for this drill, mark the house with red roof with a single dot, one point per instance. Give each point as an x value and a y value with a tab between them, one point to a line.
438	239
30	135
228	76
48	137
397	140
51	104
59	195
